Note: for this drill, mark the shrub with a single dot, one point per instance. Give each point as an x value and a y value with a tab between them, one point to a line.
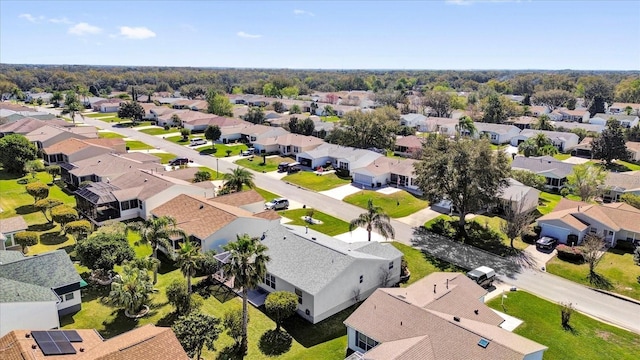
38	190
281	305
63	214
79	228
636	256
104	251
232	321
178	296
167	127
45	206
571	254
26	238
201	176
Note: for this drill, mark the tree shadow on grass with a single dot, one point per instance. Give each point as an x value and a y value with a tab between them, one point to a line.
26	209
231	352
570	329
599	281
52	238
166	265
275	342
440	264
308	334
41	227
120	324
168	320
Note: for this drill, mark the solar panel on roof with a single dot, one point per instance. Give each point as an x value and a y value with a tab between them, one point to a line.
57	336
49	348
72	335
65	347
56	342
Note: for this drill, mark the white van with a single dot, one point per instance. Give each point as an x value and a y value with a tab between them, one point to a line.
198	141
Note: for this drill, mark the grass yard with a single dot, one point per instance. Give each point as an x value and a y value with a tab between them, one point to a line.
422	264
497	147
562	156
616	270
111	119
587	339
330	225
14	200
311	181
109	135
97	115
495	223
179	140
396	205
629	165
547	202
220	150
159	131
137	145
255	163
164	157
329	118
267	195
214	174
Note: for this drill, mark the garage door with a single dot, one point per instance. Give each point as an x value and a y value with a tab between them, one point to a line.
556	232
362	179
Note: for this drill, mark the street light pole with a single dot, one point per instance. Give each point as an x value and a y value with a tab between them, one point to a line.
217	167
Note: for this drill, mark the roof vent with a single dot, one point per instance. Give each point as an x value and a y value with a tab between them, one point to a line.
145	180
34	346
483	343
27	335
456	319
201	206
81	349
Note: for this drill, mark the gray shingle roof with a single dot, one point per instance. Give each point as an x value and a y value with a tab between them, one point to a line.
542	164
16	291
51	270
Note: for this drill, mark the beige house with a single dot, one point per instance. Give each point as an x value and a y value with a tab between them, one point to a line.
287	144
408	146
442	316
618	184
387	171
8	228
48	135
72	150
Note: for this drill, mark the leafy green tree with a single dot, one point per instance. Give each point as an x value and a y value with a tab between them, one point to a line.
633	134
494	111
329	111
80	229
195	331
255	115
278	107
553	99
281	305
157	232
218	104
365	130
212	133
188	261
237	178
538	145
598	91
131	289
592	246
131	110
64	214
248	265
72	106
103	251
543	123
466	172
181	299
628	90
56	97
439	102
185	134
295	109
37	190
631	199
45	206
374	218
516	222
586	181
54	171
466	126
15	152
201	176
290	92
269	89
26	239
33	166
529	178
233	321
610	145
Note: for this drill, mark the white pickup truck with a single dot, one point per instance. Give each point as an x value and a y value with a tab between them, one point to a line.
483	276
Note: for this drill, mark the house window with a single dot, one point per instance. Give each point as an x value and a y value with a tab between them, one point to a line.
494	137
68	297
593	230
344	165
390	265
361	278
299	293
365	343
270	280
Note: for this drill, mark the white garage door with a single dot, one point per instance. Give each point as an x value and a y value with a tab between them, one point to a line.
362	179
556	232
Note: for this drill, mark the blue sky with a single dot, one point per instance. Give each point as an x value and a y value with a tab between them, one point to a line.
456	34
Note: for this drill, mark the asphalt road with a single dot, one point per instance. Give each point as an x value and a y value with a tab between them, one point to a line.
515	272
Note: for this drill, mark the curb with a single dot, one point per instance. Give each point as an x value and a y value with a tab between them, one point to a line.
621	297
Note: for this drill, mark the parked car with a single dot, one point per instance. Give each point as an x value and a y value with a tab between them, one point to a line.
197	141
277	204
546	243
179	161
483	276
289	167
248	152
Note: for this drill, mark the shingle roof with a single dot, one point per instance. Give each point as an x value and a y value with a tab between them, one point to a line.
410	141
110	165
51	270
615	216
516	191
239	198
496	128
542	164
73	145
12	224
16	291
626	181
29	124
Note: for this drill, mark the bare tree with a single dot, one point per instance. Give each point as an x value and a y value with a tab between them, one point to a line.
517	221
592	251
356	294
385	276
566	309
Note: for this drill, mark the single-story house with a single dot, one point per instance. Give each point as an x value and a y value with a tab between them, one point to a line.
45	96
107	105
212	224
618	184
555	171
440	125
322	128
564	141
497	133
48	135
574	115
166	117
287	144
134	194
626	121
26	125
613	222
251	133
408	146
568	126
442	316
519	197
104	167
193	105
72	150
31	284
337	274
523	122
340	157
621	108
538	110
634	150
201	124
248	200
8	228
387	171
145	342
412	120
584	148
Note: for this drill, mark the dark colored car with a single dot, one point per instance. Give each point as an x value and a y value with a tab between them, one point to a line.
179	161
546	243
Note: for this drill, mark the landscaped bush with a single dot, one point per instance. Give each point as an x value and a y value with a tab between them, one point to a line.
38	190
26	238
636	257
167	127
79	228
104	251
64	214
571	254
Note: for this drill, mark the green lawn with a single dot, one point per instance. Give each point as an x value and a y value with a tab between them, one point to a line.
497	147
547	202
562	156
111	119
587	339
422	264
429	223
330	225
220	150
330	118
214	174
109	135
267	195
617	272
159	131
96	115
391	154
14	200
137	145
179	140
164	157
311	181
396	205
495	223
628	165
255	163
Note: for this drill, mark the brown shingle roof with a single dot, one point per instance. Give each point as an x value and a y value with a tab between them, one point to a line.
72	145
410	141
239	198
614	216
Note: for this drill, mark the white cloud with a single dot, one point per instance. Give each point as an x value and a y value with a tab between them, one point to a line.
84	29
62	20
303	12
31	18
243	34
136	33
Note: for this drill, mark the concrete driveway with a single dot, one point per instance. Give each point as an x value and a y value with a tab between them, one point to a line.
575	160
419	218
360	234
341	192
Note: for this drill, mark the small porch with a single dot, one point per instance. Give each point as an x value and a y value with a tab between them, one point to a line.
97	203
255	297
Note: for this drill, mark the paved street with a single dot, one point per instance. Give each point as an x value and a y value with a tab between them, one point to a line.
523	272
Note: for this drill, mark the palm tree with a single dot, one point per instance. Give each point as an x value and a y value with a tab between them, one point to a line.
72	108
543	123
374	218
248	266
189	261
131	289
156	232
238	177
465	125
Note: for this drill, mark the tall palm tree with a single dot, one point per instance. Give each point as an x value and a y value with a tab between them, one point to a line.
374	218
248	266
73	108
189	261
544	123
238	177
466	125
156	232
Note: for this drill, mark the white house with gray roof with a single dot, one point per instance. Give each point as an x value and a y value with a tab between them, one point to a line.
497	133
328	275
564	141
626	121
340	157
553	170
